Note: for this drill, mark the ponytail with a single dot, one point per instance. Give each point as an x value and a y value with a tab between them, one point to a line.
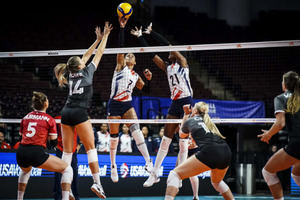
293	104
60	71
38	100
202	108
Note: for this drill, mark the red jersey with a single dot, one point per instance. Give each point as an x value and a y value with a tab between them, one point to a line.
35	128
5	145
59	138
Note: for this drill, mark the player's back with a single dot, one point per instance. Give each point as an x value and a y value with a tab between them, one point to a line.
35	128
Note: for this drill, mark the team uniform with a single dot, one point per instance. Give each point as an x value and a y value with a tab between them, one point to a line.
292	125
125	143
103	141
213	150
123	83
35	128
80	95
180	88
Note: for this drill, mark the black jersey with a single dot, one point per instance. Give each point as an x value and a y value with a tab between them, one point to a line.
292	121
81	87
200	132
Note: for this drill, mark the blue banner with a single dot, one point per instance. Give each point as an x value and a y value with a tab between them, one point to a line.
129	166
157	107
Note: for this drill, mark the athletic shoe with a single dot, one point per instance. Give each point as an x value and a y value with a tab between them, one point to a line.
149	167
114	173
195	198
151	180
98	190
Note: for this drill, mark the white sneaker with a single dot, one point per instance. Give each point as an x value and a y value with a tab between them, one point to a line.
98	190
114	173
149	166
151	180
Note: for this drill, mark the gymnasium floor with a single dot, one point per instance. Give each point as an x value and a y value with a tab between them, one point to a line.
237	197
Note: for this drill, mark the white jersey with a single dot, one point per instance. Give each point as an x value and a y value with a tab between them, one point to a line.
122	84
103	142
179	81
125	143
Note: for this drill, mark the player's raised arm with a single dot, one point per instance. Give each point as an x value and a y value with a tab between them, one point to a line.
107	28
144	86
86	56
139	34
180	58
120	56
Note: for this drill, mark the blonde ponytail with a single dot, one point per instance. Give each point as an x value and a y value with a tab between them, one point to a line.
60	71
293	104
203	108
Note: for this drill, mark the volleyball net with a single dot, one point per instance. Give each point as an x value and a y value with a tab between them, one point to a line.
237	80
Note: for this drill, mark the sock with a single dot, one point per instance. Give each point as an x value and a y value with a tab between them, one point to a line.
65	195
96	178
141	145
162	152
195	185
113	150
20	195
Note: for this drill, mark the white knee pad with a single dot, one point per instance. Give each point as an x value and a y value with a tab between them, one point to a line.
165	143
67	175
296	179
270	178
92	156
24	177
113	142
173	179
220	187
67	157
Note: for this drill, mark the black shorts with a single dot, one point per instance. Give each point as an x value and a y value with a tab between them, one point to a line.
193	151
292	148
215	155
117	108
73	115
176	106
31	155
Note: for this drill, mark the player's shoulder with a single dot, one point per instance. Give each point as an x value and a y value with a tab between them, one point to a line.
283	96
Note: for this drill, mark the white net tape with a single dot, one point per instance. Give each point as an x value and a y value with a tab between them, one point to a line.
246	45
165	121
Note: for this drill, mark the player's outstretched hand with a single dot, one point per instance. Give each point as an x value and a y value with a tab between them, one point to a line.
148	29
136	32
148	74
265	137
107	28
187	109
99	35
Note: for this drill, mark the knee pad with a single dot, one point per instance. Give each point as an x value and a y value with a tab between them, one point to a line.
173	179
92	156
165	143
67	175
220	187
134	127
24	177
296	179
67	157
270	178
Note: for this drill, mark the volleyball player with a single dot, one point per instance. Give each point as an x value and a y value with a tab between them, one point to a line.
214	154
177	71
74	114
36	128
287	114
119	104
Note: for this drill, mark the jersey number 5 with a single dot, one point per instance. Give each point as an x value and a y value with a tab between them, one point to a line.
174	79
31	129
76	89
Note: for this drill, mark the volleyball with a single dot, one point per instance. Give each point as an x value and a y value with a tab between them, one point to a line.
124	10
